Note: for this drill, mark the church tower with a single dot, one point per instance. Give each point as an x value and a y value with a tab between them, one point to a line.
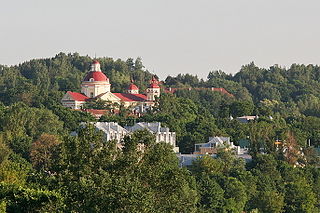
153	90
95	82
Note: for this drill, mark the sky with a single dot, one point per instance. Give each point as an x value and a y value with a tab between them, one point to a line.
171	36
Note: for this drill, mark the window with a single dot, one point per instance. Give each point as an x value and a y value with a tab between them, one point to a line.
91	94
91	79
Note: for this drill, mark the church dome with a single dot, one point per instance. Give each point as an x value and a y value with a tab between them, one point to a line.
95	76
95	73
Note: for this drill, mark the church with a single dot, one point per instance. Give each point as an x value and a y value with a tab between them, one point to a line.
97	85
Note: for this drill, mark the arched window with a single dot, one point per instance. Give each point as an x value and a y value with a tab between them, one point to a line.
91	79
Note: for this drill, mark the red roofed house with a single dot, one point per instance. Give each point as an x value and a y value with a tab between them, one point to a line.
96	85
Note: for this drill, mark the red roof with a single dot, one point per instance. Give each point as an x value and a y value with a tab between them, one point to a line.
132	86
154	85
131	97
96	112
95	62
96	75
78	96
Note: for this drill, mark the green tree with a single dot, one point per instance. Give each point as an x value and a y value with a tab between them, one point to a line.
270	201
299	197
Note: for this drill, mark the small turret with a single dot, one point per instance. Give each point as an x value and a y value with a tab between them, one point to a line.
133	89
153	90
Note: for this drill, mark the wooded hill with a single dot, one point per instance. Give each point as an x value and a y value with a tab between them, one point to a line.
44	169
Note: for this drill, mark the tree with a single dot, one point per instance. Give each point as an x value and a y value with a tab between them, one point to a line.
138	64
43	151
270	201
299	197
211	194
235	195
241	108
161	173
95	176
22	199
291	150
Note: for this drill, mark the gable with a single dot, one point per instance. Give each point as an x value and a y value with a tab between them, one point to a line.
67	97
74	96
108	96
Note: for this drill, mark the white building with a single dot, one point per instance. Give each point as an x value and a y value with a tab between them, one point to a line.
214	143
162	133
247	118
113	131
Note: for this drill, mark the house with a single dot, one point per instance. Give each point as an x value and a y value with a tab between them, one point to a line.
96	85
247	118
161	133
188	159
214	143
211	148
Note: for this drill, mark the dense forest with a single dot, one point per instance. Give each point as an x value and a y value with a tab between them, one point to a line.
45	169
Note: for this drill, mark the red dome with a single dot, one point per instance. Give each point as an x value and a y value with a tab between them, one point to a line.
95	62
133	87
96	75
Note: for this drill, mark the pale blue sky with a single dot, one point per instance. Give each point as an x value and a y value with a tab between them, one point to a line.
171	36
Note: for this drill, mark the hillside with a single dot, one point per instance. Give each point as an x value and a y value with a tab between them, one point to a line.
45	169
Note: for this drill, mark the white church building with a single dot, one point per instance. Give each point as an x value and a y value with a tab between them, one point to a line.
97	85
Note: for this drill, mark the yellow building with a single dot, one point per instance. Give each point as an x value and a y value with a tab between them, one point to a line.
97	85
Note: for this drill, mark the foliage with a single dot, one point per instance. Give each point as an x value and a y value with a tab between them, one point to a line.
43	151
20	199
45	169
126	181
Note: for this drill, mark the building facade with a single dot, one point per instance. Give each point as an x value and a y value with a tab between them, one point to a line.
214	143
161	133
113	131
96	85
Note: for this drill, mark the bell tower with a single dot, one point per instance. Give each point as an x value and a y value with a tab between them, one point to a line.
153	90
